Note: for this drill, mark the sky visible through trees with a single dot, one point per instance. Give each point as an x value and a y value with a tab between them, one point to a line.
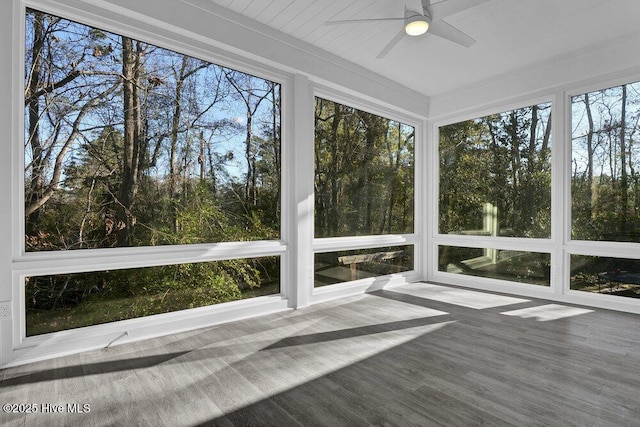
130	144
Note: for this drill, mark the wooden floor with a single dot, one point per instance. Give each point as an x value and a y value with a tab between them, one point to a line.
411	355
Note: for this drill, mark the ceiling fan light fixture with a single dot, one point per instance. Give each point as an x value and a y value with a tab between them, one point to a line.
416	25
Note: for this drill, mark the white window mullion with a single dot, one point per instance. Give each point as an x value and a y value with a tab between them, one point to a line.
11	60
560	192
299	185
432	202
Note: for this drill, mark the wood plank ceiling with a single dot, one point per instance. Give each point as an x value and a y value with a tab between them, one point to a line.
510	35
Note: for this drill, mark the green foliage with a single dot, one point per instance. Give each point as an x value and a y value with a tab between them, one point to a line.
169	170
74	300
504	160
364	172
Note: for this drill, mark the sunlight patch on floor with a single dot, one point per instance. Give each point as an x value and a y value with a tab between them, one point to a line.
292	367
545	313
461	297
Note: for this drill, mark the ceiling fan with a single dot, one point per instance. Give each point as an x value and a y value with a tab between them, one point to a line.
420	17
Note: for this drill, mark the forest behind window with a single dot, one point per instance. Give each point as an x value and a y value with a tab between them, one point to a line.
495	175
131	144
364	173
605	177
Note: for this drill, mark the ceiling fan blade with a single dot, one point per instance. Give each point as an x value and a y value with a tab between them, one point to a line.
394	41
445	8
357	21
442	29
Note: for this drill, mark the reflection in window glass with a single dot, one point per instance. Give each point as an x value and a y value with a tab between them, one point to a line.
345	266
130	144
605	275
516	266
495	174
363	172
66	301
605	180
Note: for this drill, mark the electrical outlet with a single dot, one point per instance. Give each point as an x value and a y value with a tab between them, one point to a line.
5	310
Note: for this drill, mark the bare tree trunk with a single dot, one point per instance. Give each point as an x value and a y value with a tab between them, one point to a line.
527	207
275	112
391	180
590	134
201	158
132	139
36	186
212	171
247	95
624	181
544	150
249	188
173	150
333	220
374	128
518	201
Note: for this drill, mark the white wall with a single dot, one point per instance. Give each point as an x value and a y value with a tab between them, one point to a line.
600	63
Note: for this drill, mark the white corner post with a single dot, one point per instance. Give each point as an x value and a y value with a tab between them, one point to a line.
300	186
8	147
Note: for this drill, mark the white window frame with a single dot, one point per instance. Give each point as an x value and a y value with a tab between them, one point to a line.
551	245
609	249
26	264
560	245
295	246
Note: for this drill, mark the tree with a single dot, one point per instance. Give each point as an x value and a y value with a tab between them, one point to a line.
129	144
363	172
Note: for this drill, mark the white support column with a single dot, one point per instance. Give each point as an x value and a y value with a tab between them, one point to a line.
560	192
424	195
8	146
431	202
301	175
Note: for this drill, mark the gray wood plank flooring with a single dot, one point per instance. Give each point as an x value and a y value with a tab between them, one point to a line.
412	355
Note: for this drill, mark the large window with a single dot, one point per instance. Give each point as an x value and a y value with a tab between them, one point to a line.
66	301
364	186
128	144
346	266
516	266
364	174
605	175
495	175
605	189
606	275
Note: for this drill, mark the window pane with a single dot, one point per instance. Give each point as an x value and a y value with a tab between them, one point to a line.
516	266
363	173
345	266
66	301
604	275
605	180
130	144
495	174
